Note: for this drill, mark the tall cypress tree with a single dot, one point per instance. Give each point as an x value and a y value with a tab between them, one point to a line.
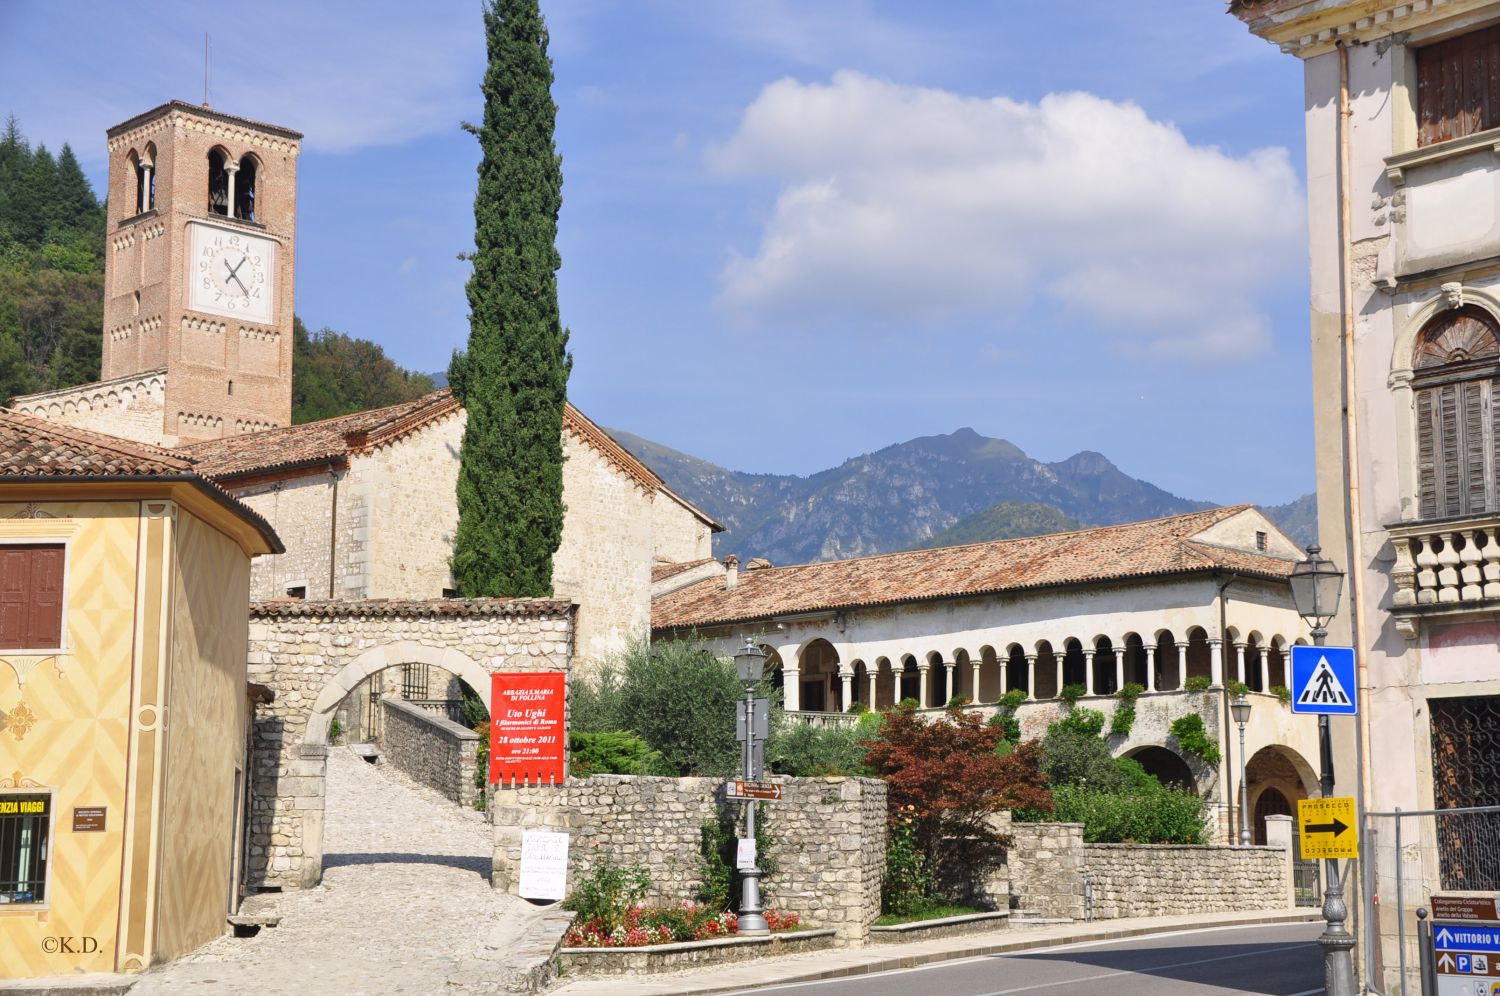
513	380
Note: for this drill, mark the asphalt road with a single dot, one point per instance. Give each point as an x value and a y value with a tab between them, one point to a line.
1283	959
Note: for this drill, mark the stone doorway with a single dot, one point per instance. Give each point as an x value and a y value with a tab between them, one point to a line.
313	654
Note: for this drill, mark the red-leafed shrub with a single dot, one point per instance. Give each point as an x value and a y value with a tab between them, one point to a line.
947	776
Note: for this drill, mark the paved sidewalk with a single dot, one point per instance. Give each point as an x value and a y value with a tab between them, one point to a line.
405	905
844	962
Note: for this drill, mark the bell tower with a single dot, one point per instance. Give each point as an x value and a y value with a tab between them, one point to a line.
202	224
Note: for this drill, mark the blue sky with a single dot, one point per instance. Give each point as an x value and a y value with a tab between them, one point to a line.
794	232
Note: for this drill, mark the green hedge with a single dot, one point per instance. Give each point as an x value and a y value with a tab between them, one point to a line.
1164	816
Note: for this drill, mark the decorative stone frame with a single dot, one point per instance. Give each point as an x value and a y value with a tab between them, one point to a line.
1449	297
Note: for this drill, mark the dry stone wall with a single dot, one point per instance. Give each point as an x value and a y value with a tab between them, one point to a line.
1170	880
1045	866
312	654
827	838
431	750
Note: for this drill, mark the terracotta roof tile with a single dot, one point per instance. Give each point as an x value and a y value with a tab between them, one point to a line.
435	607
37	449
661	572
1133	550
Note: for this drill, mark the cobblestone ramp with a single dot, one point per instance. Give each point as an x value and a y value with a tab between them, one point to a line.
405	905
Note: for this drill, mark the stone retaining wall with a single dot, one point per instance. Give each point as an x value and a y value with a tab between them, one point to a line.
1046	867
1172	880
431	750
827	838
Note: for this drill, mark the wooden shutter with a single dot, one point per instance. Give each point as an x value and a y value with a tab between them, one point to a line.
31	594
1458	90
1450	473
1427	475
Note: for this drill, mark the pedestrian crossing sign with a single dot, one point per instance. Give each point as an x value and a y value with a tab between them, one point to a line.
1323	681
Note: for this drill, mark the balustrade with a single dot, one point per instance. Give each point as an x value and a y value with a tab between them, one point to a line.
1444	567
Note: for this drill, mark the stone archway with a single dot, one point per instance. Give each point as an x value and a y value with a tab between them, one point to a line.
312	654
1166	766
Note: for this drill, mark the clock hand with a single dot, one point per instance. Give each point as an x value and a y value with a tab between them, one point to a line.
234	275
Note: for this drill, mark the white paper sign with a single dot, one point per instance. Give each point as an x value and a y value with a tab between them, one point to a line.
745	854
544	865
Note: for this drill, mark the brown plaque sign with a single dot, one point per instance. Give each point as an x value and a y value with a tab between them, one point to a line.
742	789
88	819
1464	908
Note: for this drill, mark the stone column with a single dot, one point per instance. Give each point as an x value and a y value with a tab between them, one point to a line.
1031	676
1239	658
1057	659
1182	649
872	673
1004	675
791	687
1265	668
974	673
231	168
846	679
949	667
1088	672
1150	667
1120	666
924	669
1216	663
147	201
1279	834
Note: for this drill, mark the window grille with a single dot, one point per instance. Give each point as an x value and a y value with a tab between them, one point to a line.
25	821
414	678
1465	774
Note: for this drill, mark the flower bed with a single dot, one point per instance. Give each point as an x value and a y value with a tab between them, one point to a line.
644	926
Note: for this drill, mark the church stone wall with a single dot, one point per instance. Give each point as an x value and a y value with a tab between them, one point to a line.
604	560
411	486
300	509
678	535
129	407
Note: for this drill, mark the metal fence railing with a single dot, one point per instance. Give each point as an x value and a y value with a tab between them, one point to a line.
1413	856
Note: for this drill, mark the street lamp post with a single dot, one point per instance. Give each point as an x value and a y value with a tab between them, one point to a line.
1241	710
1316	586
750	664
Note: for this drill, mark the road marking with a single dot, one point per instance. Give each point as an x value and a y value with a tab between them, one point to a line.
1147	970
1076	946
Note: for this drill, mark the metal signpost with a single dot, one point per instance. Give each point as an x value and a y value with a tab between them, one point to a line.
752	726
1323	684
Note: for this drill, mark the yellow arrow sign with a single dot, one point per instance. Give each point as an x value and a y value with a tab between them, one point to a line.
1327	828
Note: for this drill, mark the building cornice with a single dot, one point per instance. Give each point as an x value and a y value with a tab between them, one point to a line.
1306	28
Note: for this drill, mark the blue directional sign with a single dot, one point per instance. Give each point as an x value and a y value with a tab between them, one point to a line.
1466	938
1323	681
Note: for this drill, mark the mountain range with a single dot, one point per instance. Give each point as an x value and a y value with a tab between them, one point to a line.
931	491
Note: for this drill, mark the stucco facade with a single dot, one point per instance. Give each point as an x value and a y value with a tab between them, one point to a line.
1403	238
142	713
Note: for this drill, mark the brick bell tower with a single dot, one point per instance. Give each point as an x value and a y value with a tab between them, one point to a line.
202	224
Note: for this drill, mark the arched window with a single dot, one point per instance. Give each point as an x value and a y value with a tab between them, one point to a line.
245	189
218	183
145	180
1455	367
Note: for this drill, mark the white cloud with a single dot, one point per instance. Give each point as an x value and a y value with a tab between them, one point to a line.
901	204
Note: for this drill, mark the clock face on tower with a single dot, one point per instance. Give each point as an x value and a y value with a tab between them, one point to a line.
231	273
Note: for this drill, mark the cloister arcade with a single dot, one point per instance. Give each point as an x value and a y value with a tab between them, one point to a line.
820	680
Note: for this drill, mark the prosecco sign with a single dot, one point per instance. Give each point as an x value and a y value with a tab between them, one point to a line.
527	731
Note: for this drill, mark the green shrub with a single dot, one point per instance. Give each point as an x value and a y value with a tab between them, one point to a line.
1089	722
908	704
1160	816
717	851
1012	699
908	887
1123	721
335	730
958	702
594	702
1197	683
607	891
680	699
1072	693
805	751
857	708
1009	723
1193	738
1073	757
471	707
1236	688
1283	693
613	752
1130	691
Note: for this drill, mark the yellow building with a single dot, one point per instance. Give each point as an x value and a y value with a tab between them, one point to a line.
124	594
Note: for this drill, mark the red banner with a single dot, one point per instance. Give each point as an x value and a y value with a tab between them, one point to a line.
527	732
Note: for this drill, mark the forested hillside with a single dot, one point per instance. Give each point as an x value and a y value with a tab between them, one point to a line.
52	297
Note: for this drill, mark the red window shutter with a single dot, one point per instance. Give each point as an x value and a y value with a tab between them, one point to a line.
1427	488
31	594
44	623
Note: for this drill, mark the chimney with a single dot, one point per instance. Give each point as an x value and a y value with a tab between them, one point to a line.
731	572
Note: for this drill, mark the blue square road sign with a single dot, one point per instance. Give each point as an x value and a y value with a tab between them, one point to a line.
1323	681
